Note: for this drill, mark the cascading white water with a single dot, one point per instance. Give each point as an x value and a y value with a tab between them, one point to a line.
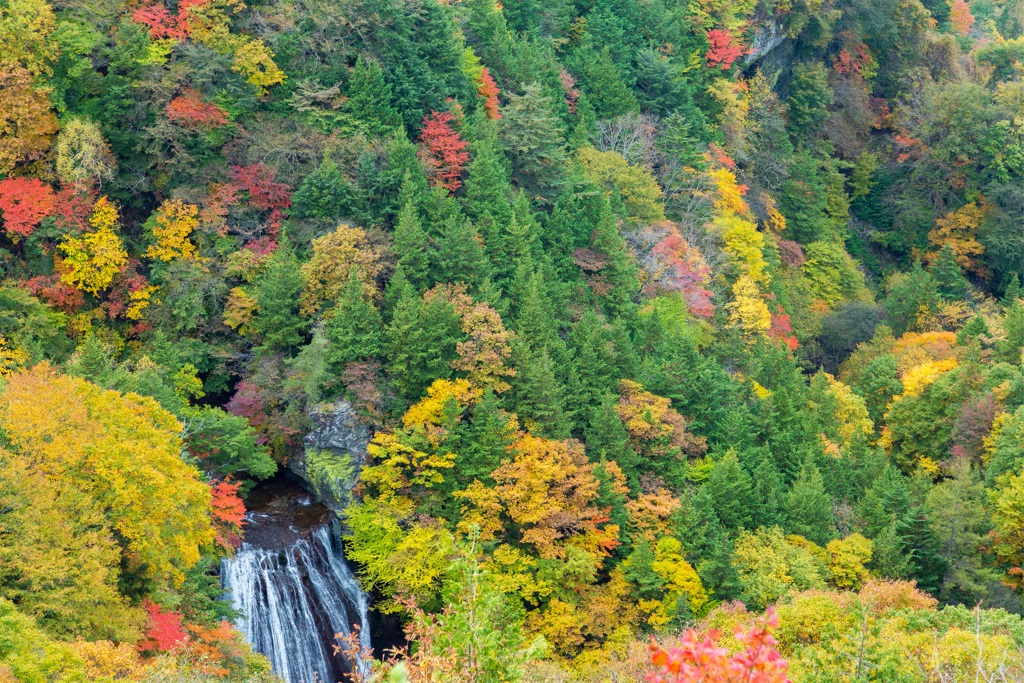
292	601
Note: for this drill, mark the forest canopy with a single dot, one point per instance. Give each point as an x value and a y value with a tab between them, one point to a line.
662	314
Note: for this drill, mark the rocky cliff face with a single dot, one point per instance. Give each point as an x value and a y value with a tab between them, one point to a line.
333	453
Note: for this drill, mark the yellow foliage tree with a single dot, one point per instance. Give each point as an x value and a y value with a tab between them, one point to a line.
171	225
959	229
851	412
83	156
327	271
680	580
106	660
94	259
58	558
255	61
847	559
209	24
121	451
916	379
655	429
25	28
747	311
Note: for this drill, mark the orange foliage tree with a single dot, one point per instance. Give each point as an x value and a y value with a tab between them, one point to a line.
960	17
27	122
545	498
189	110
655	429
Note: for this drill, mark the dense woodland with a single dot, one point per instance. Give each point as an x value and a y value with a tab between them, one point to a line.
664	313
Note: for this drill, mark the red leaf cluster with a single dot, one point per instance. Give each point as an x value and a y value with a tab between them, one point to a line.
24	202
227	506
56	293
163	25
248	403
681	273
228	513
724	50
264	193
127	281
190	111
488	90
782	331
719	156
846	64
164	632
572	93
73	209
443	151
702	660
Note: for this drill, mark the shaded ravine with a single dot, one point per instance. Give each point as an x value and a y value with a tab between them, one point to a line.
291	587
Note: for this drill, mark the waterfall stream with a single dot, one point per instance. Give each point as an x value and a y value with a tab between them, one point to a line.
292	589
292	601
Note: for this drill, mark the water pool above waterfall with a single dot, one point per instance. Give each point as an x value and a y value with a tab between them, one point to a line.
292	588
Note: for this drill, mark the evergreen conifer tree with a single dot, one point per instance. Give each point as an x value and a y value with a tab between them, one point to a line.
730	489
354	327
277	324
533	138
420	342
606	437
459	255
949	278
608	92
809	507
369	99
411	246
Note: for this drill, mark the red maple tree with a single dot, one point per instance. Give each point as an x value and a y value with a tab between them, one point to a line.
700	659
228	513
74	207
24	202
781	330
164	633
189	110
163	25
56	292
443	151
724	49
265	193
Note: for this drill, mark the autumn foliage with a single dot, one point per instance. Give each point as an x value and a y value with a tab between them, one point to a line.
228	512
443	151
724	49
488	90
24	202
165	632
189	110
700	659
960	17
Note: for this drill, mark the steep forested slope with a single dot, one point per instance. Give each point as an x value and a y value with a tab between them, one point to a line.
662	312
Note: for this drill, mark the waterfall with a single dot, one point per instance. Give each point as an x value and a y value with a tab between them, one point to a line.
292	601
